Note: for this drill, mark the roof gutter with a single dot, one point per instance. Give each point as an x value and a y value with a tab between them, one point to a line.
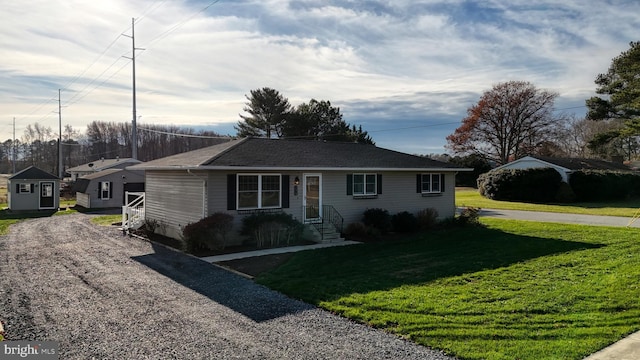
298	168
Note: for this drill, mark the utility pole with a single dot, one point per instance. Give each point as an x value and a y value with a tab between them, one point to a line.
60	169
13	156
134	128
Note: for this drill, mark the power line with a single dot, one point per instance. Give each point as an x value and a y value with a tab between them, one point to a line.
180	24
80	94
183	135
416	127
151	8
99	85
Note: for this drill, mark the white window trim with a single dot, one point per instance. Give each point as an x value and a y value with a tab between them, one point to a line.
439	191
259	175
27	186
364	185
102	191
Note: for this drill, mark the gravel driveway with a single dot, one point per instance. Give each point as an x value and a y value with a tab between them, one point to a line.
103	295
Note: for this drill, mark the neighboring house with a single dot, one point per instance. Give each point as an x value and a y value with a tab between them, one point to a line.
107	188
100	165
564	166
33	189
300	177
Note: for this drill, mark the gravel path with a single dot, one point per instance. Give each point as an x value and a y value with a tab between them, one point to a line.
103	295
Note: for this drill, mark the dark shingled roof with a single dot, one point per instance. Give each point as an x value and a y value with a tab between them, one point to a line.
278	153
584	164
33	173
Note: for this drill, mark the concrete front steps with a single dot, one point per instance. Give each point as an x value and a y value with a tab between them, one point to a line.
329	233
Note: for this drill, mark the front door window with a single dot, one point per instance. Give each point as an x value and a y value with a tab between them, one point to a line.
46	195
312	198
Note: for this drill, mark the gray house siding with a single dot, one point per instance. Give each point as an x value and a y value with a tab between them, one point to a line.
398	194
30	200
217	199
175	199
92	198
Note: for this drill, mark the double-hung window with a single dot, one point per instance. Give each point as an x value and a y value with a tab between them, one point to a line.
105	190
431	183
259	191
364	184
24	188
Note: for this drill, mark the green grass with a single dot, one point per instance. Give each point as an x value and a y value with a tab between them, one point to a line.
512	290
107	220
471	197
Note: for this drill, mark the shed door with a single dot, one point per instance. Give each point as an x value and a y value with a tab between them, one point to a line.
46	195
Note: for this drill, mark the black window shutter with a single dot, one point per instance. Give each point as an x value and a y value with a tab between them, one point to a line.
349	184
31	190
379	184
419	183
110	189
231	191
285	191
100	189
442	182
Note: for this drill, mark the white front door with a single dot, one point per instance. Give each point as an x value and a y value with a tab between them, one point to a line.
312	197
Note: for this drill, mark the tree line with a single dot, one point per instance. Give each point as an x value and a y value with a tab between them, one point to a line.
515	118
38	146
269	114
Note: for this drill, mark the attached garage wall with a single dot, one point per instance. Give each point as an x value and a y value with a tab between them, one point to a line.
175	199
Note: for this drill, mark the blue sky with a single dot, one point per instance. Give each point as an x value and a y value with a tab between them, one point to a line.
405	70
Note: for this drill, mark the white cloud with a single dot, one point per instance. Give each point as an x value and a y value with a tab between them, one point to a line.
418	61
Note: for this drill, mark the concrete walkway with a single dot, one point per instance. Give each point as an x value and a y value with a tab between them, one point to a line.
625	349
273	251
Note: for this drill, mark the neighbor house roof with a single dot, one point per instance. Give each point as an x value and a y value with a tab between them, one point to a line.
33	173
575	164
262	153
102	164
584	164
100	174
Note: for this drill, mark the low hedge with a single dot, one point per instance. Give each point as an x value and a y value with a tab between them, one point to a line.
272	229
527	185
209	233
592	185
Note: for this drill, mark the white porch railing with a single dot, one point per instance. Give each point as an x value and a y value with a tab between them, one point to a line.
133	212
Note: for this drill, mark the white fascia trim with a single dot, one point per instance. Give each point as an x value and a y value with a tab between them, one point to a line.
316	169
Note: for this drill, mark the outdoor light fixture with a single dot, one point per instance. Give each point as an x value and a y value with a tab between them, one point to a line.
296	182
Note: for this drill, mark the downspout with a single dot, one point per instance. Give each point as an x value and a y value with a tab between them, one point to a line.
204	192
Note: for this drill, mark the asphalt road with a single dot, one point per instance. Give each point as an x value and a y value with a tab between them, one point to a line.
592	220
106	296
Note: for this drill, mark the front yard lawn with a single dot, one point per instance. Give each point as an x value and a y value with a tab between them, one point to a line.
471	198
511	290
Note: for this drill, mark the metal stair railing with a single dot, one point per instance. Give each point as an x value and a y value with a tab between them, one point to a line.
329	216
